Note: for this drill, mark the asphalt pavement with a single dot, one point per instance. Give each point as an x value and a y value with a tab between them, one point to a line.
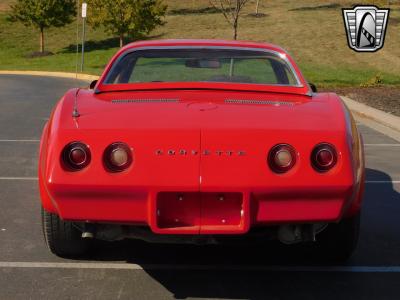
136	270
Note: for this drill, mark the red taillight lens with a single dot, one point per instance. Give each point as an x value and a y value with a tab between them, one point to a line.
117	157
323	157
281	158
75	156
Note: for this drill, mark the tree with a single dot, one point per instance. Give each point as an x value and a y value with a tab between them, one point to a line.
257	6
231	10
132	18
43	14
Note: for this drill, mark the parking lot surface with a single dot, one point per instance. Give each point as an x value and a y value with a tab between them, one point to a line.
136	270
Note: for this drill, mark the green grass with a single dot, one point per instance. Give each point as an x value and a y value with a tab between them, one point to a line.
312	33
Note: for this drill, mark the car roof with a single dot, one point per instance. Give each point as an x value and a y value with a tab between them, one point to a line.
204	42
301	89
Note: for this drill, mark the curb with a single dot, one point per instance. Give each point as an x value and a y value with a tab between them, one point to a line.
376	119
374	114
79	76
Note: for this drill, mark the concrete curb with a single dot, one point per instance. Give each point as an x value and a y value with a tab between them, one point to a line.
79	76
374	114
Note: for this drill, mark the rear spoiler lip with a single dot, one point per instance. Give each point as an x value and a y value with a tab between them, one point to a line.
230	89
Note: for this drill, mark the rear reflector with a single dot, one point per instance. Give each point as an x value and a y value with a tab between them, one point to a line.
75	156
117	157
323	157
281	158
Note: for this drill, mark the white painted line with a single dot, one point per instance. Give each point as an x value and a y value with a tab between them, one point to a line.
19	141
125	266
382	181
382	145
18	178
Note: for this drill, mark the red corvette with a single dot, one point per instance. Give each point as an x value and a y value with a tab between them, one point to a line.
201	141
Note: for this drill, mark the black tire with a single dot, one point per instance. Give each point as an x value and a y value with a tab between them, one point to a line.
63	238
339	240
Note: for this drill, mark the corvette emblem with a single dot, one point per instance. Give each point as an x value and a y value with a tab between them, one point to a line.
184	152
365	27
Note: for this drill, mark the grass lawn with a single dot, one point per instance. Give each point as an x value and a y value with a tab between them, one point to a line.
312	33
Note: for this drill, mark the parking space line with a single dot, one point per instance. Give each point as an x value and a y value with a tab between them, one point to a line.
18	178
19	141
382	181
123	266
382	145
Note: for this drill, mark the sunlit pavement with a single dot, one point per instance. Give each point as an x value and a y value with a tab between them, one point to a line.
136	270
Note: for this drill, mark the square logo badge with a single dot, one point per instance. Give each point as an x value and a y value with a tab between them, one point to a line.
365	27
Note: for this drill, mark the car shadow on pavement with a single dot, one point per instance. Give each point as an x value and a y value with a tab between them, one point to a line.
379	246
379	242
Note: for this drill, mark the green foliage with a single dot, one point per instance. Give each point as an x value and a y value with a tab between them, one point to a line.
133	18
376	80
43	13
330	64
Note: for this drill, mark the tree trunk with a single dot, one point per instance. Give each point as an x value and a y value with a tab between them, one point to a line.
121	40
257	5
236	19
235	29
41	40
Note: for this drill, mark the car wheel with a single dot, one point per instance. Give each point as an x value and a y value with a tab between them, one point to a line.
339	240
62	238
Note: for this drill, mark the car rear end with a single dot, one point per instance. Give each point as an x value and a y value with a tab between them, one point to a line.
192	161
210	177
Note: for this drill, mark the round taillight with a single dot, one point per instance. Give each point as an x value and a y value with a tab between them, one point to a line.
281	158
323	157
75	156
117	157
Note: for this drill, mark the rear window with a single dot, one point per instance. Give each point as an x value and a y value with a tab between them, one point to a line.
202	65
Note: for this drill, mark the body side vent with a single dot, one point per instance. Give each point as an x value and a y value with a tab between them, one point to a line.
265	102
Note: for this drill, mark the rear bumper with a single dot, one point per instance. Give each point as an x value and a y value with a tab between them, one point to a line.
221	211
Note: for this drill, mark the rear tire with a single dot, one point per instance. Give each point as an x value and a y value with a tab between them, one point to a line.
339	240
62	238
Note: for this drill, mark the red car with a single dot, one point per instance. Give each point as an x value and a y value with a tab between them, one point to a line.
201	141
